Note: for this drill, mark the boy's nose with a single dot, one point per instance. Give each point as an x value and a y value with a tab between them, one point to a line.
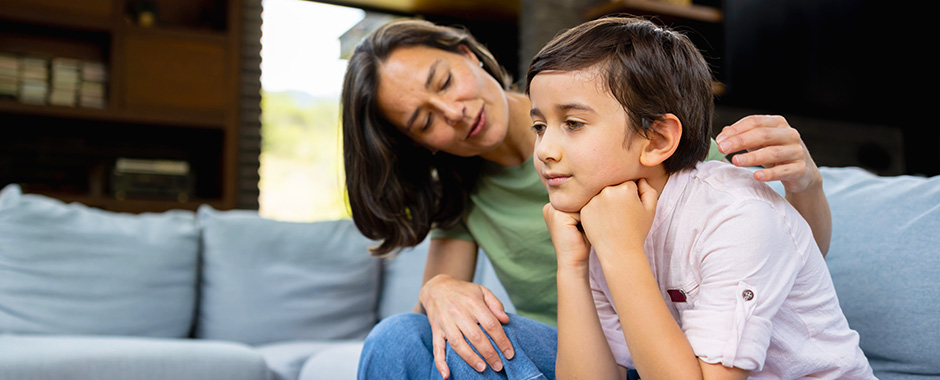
547	147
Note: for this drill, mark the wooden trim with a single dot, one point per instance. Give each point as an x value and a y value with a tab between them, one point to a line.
656	8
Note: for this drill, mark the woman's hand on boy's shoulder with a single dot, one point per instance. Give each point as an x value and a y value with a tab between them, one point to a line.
771	142
620	216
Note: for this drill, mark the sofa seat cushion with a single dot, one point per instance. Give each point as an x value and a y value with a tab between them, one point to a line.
267	281
72	269
285	359
87	357
333	362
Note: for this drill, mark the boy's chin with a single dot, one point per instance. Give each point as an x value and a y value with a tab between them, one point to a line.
566	206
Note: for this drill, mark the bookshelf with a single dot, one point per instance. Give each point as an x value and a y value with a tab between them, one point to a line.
151	80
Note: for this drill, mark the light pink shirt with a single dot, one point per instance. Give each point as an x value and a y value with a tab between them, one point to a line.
757	291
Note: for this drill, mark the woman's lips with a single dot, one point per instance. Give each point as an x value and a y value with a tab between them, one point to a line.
478	126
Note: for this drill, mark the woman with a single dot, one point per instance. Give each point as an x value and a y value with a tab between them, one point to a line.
435	139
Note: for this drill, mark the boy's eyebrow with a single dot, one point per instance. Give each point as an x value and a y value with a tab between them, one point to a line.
574	106
427	84
562	108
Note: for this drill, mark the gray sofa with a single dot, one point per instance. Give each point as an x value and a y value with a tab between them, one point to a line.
90	294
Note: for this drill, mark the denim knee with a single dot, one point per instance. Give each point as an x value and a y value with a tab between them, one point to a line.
401	330
398	347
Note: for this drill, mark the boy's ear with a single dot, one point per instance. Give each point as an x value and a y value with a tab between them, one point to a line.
663	140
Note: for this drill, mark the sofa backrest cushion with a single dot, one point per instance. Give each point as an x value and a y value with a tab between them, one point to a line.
71	269
884	260
265	281
401	280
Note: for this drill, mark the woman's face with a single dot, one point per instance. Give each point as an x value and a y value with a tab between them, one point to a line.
442	100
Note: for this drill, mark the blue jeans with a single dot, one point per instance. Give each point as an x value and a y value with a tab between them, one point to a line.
400	347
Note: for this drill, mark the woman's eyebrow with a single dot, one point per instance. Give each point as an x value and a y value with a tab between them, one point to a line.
427	85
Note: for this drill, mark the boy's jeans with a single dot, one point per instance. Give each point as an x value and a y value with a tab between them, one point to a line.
400	347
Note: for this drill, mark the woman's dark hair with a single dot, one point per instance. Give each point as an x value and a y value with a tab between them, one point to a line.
398	190
650	70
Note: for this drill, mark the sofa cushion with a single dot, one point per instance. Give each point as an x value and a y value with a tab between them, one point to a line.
402	279
71	269
266	281
285	359
884	260
86	357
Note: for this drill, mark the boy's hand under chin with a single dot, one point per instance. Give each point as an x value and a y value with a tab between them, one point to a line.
620	216
571	246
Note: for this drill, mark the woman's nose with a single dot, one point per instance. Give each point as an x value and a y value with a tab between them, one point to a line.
452	111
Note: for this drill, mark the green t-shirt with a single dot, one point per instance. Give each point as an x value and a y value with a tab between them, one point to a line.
505	219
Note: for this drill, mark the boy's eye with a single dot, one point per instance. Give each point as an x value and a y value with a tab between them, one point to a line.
572	125
538	128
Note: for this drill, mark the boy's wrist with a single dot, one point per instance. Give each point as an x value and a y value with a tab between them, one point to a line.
575	267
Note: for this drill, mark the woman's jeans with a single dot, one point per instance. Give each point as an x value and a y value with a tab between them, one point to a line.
400	347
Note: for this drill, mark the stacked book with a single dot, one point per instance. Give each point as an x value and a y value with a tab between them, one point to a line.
94	77
9	75
58	81
157	179
65	82
34	80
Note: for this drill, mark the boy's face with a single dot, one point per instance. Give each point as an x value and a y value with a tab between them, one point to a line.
582	144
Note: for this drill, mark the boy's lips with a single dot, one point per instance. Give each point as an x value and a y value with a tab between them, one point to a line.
478	124
555	179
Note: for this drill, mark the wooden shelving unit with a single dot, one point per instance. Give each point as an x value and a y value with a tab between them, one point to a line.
171	93
662	9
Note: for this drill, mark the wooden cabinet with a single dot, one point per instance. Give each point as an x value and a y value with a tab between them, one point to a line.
169	93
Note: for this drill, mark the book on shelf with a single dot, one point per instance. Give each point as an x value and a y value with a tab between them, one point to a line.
9	75
65	81
55	81
155	179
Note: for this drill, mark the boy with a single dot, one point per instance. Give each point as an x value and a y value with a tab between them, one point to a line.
678	268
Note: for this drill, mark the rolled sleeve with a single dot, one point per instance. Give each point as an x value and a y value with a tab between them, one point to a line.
749	262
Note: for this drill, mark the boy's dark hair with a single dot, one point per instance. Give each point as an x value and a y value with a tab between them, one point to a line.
397	189
650	70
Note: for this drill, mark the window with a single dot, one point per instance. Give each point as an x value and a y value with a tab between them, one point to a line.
301	77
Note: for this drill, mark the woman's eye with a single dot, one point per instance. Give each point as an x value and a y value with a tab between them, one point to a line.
538	128
427	124
446	82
